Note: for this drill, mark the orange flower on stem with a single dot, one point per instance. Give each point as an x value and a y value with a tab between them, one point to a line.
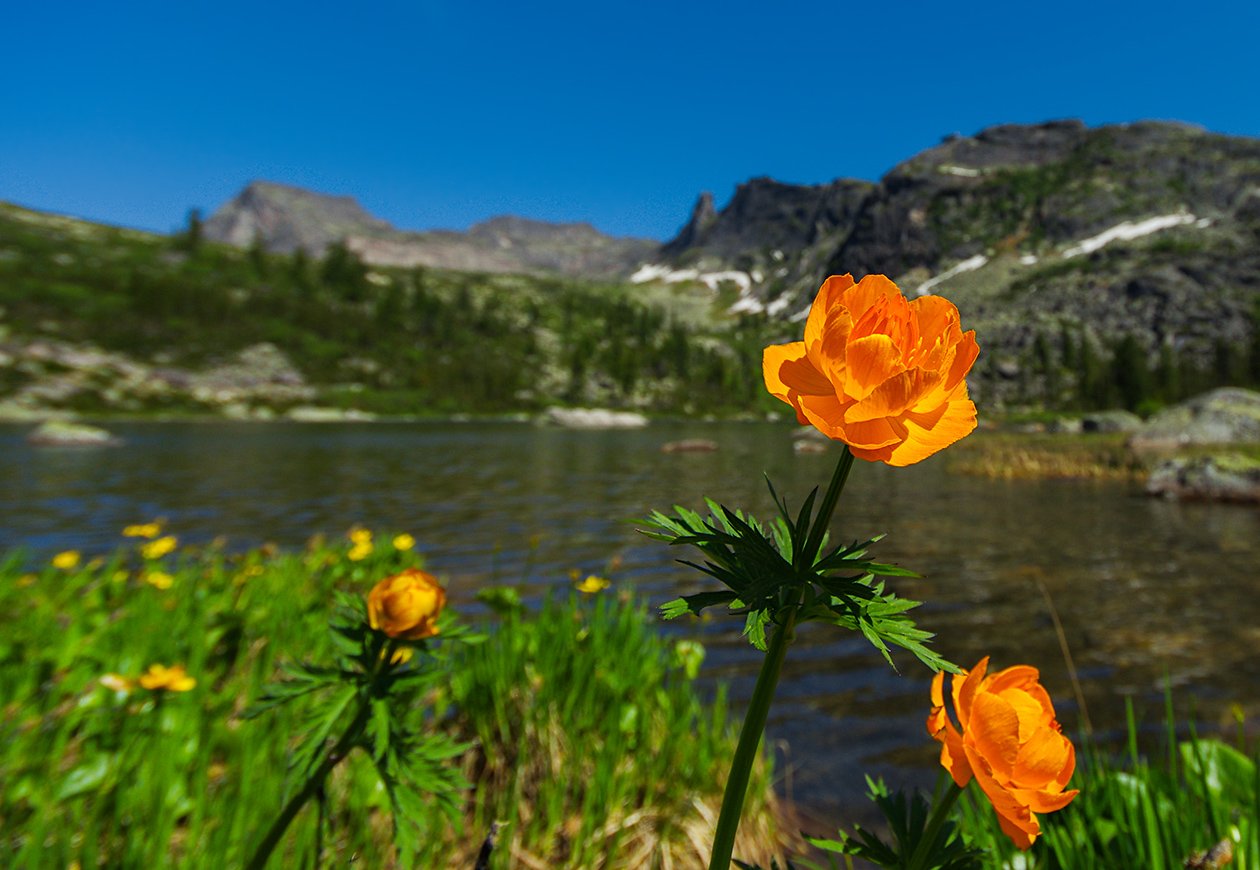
1008	739
884	374
406	605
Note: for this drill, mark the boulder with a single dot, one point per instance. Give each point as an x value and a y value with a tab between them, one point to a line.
1222	416
593	418
62	433
1111	421
1226	477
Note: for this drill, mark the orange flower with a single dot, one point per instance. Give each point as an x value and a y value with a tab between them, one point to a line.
406	605
1010	741
883	374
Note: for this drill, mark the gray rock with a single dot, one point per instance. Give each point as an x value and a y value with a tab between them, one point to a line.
313	414
593	418
1111	421
690	445
1223	416
1226	477
62	433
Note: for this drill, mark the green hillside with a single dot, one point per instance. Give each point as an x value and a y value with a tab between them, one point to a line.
160	309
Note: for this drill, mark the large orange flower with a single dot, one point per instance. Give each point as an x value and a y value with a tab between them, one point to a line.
883	374
1009	740
406	605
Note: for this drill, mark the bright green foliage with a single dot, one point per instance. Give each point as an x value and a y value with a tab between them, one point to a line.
768	570
138	778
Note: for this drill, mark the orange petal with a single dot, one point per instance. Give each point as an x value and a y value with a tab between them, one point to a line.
927	435
869	362
965	691
826	413
964	359
872	434
830	297
867	292
787	370
1041	760
994	731
893	396
1044	802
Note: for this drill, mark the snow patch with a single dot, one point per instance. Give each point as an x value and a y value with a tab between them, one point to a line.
960	171
968	265
1130	230
1028	260
655	272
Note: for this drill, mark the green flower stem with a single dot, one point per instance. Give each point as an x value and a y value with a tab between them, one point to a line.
315	782
838	479
763	692
923	851
749	741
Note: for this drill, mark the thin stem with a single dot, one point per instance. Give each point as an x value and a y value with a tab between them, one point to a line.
379	654
763	692
749	740
819	529
924	850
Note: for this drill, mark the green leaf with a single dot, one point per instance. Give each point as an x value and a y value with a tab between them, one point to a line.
694	604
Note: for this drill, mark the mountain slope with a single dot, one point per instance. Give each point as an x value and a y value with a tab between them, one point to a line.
285	218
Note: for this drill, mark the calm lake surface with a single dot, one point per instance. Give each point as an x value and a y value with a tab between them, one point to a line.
1147	590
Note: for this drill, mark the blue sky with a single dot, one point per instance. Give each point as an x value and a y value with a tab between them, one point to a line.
440	114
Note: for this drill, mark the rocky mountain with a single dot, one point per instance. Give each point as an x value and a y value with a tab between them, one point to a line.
1049	238
286	218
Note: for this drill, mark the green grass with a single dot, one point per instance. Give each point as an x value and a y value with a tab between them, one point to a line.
589	739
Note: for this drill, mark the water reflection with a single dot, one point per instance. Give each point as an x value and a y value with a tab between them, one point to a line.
1146	590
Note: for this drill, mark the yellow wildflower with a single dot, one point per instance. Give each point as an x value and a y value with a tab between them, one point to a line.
159	548
143	530
172	679
401	656
66	560
404	542
158	579
360	536
593	584
360	551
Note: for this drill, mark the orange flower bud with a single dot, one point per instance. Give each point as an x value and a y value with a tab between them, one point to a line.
1009	740
884	374
159	678
406	605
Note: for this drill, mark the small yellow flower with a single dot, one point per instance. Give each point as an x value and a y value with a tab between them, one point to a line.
593	584
159	548
360	536
158	579
404	542
66	560
143	530
360	551
117	682
161	678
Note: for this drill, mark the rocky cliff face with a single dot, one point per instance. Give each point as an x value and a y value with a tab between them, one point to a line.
1149	230
286	218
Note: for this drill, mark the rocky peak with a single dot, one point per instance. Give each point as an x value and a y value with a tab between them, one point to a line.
287	218
703	214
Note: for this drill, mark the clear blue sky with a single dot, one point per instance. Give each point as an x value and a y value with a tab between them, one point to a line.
437	113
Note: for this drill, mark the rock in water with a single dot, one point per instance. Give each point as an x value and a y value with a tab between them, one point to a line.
1223	416
593	418
1227	477
59	433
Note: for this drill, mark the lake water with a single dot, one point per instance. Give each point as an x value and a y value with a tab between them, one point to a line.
1147	590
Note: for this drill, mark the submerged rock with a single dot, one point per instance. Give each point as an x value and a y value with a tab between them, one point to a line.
690	445
62	433
593	418
1226	477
